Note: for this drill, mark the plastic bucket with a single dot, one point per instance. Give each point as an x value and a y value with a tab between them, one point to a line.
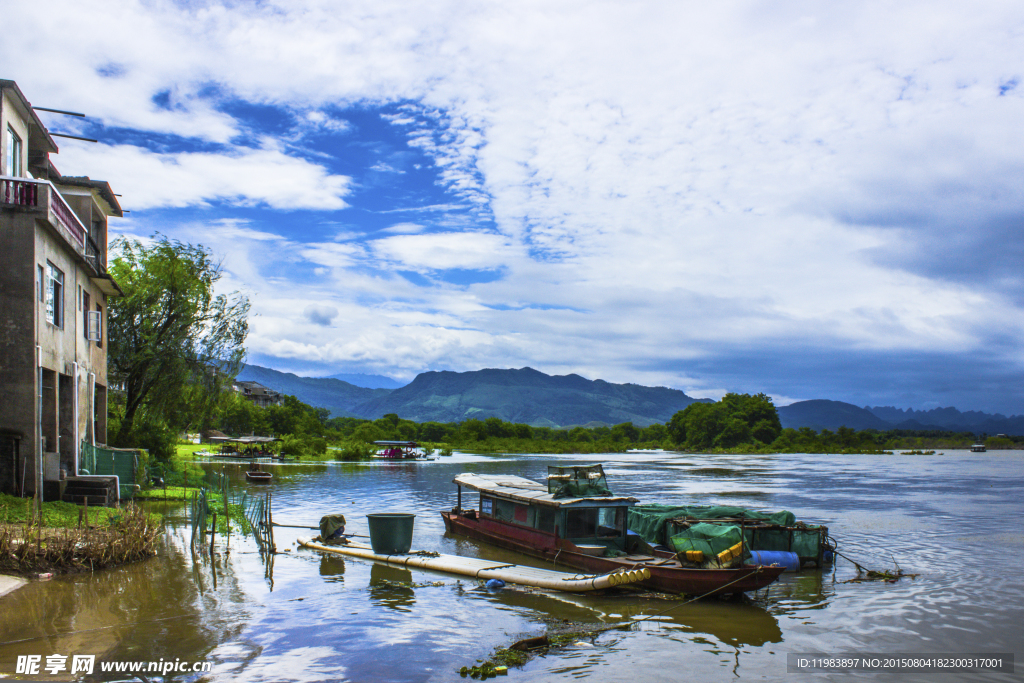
791	561
391	532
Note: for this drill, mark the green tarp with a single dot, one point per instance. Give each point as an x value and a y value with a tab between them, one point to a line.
331	524
710	539
583	481
649	521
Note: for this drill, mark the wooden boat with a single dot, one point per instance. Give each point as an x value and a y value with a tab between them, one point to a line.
256	475
575	521
978	448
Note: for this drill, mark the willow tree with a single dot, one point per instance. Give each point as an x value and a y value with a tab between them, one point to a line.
174	342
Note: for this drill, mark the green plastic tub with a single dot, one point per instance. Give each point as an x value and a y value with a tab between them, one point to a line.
391	532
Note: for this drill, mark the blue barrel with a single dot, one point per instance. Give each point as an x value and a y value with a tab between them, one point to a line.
791	561
391	532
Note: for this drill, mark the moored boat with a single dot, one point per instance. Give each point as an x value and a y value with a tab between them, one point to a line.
256	475
400	450
576	521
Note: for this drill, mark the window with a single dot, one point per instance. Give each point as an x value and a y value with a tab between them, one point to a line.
99	326
85	315
54	295
42	284
13	165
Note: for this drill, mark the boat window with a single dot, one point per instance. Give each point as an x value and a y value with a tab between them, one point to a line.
611	521
581	523
486	506
545	519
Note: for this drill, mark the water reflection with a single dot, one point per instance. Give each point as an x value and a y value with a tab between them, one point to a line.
389	587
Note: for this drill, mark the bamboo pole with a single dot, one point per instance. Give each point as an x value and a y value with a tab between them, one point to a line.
482	569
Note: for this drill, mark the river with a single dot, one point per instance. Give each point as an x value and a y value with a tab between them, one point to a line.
953	518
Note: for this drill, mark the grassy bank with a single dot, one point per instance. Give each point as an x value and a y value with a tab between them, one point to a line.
125	535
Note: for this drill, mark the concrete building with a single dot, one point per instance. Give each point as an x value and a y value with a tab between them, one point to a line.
259	394
54	292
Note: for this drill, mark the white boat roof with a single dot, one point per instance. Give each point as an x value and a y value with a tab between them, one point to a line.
528	491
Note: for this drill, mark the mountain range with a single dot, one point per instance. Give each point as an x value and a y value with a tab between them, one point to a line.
532	397
823	414
524	395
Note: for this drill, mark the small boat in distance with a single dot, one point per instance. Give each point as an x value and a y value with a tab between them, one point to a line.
978	448
576	521
256	475
400	450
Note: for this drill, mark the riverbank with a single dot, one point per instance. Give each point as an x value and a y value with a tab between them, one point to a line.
65	538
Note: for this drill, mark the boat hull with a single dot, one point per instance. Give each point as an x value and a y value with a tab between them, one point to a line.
667	579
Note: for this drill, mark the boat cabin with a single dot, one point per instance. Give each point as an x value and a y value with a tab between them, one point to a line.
402	450
575	505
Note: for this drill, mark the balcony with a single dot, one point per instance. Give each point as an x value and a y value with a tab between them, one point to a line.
29	194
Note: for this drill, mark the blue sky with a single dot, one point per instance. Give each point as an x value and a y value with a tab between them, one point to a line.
810	200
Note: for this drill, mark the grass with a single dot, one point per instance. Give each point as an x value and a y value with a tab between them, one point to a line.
58	514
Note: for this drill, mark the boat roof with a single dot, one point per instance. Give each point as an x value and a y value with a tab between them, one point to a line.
243	439
524	490
408	444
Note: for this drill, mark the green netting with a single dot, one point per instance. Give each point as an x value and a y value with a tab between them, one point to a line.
586	481
650	521
106	461
710	539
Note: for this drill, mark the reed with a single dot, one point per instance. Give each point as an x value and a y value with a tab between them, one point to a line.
29	548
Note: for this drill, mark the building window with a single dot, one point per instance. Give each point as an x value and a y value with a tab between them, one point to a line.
86	306
54	295
13	153
99	326
42	284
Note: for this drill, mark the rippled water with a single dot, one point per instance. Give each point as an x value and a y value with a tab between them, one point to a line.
953	518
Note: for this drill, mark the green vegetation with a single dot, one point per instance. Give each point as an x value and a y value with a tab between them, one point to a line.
736	419
173	345
58	514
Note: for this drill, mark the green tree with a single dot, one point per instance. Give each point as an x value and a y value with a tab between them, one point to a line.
174	343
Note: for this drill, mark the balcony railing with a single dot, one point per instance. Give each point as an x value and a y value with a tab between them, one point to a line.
25	192
93	256
18	191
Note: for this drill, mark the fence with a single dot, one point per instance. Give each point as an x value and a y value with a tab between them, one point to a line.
109	462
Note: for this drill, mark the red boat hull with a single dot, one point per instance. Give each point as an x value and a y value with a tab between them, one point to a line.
667	579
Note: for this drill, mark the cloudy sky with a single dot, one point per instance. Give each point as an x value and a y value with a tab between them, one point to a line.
814	200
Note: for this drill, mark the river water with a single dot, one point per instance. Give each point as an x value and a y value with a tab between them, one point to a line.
952	518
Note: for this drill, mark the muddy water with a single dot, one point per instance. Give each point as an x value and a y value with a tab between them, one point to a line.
953	518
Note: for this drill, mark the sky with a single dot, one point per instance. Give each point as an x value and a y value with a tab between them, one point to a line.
810	200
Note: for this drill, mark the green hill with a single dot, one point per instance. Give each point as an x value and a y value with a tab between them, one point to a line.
321	392
525	396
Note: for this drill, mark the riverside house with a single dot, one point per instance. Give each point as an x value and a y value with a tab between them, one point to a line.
54	291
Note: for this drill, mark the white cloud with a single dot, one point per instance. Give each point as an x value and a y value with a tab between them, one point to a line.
445	251
148	179
404	228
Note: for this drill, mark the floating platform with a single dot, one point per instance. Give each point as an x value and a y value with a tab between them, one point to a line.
489	569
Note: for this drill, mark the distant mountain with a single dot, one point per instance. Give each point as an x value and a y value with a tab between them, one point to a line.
526	396
821	414
321	392
368	381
